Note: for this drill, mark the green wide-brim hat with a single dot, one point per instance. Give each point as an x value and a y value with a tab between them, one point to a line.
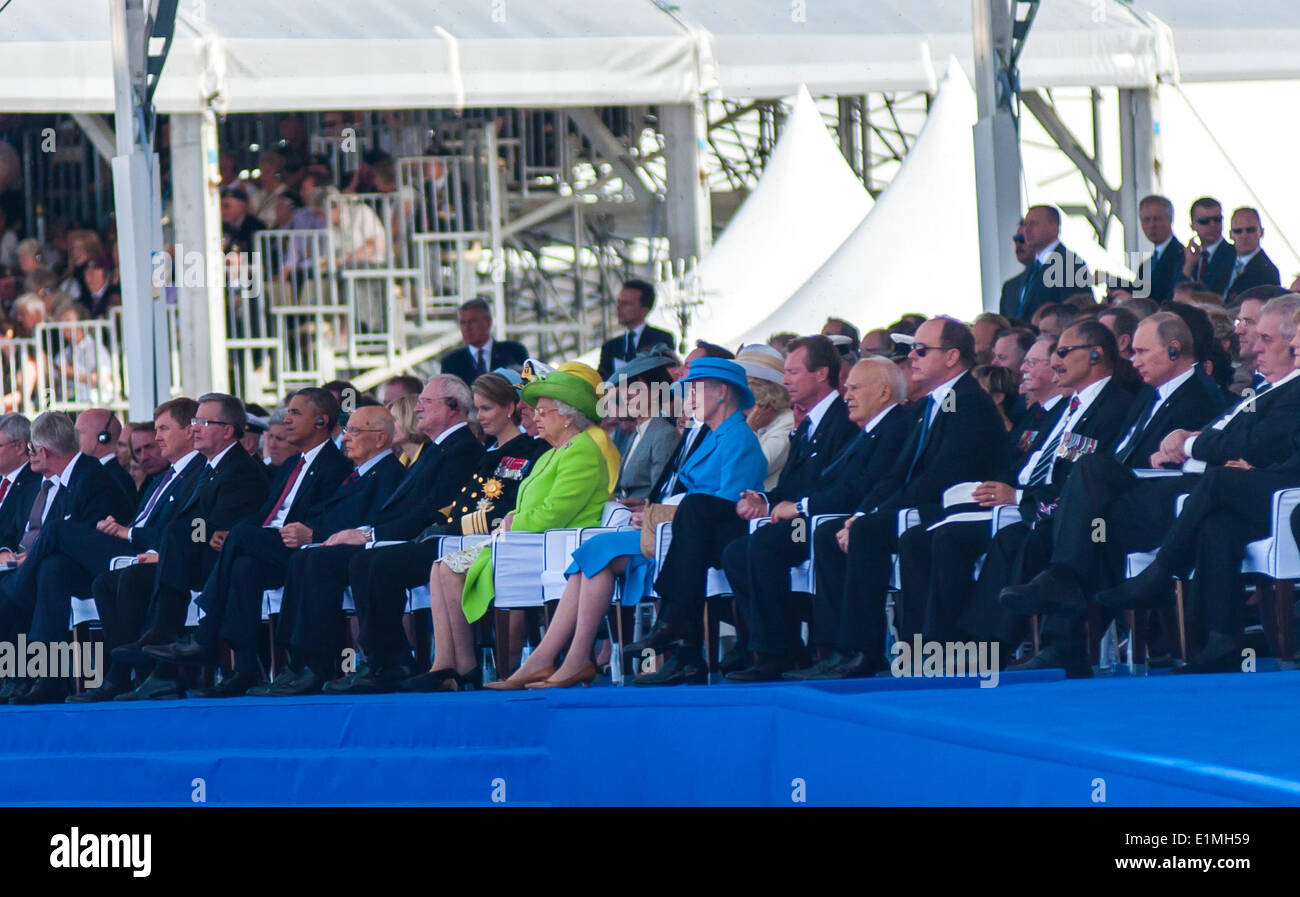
564	387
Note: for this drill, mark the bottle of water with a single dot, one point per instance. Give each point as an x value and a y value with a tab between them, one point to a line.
488	663
524	654
616	663
1108	654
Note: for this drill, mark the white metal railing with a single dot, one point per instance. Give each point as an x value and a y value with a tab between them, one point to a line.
79	364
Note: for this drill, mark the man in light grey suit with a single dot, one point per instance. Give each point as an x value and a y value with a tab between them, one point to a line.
643	395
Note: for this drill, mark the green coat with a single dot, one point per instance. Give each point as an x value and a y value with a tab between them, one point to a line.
568	487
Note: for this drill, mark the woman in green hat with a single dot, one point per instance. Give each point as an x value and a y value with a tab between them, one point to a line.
568	486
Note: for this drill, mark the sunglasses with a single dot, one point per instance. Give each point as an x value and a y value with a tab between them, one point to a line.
1244	230
1209	219
921	348
1063	351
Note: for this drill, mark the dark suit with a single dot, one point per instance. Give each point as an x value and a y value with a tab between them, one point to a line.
704	524
616	348
1058	277
254	556
1009	300
961	444
1139	512
224	496
122	478
1215	271
505	353
17	507
90	496
1259	271
71	554
758	565
322	574
1157	281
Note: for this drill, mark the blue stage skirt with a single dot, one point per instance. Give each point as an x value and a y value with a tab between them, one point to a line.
599	551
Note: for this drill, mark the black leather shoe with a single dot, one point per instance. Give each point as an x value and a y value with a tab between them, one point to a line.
374	681
133	652
187	650
858	666
733	661
1220	655
428	681
107	691
676	671
235	686
304	683
154	688
44	691
818	670
1150	588
769	670
660	636
1055	659
284	680
1052	591
471	681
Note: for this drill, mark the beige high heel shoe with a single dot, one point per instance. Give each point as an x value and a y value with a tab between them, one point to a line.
514	683
582	677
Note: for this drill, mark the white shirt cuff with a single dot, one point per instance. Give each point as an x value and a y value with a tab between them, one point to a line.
1187	445
1020	495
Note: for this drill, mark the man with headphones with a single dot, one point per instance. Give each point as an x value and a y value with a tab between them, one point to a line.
97	432
1096	406
1137	511
254	554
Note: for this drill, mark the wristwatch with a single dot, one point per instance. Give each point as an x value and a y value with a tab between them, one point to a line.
368	532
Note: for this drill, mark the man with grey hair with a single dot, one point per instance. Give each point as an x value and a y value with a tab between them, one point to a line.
1163	269
452	455
1054	273
19	482
758	565
76	488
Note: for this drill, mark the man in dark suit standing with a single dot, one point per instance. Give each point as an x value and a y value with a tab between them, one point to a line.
97	432
231	487
1138	512
1054	273
955	438
758	565
255	553
1208	257
1163	269
633	305
1252	267
18	482
1009	301
705	524
481	353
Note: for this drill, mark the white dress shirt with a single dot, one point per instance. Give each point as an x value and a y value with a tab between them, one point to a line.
1064	425
283	512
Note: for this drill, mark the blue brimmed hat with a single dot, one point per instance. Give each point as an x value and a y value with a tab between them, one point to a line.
707	368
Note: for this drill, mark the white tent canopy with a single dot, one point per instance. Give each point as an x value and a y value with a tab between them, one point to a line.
1247	42
257	56
783	232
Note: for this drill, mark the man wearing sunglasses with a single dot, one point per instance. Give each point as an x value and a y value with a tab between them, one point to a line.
1054	272
1208	257
1252	267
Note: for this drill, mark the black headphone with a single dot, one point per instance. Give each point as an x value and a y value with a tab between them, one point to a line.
105	437
1174	352
320	421
451	403
1094	356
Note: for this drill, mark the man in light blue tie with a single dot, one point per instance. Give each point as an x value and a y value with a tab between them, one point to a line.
1252	267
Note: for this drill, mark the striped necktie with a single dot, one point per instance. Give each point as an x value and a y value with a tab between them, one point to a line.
1048	457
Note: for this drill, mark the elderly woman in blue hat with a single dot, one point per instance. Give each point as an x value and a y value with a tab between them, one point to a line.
727	462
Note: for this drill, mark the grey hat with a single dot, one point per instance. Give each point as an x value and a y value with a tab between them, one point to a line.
657	356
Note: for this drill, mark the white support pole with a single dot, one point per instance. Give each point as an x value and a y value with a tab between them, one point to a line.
1138	115
496	210
196	210
690	228
997	151
134	204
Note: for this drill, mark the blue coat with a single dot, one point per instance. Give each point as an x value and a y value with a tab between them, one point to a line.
728	461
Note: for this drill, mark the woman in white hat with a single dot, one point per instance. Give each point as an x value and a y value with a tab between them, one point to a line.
772	417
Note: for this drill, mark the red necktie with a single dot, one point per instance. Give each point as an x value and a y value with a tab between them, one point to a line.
1204	265
4	490
352	477
288	487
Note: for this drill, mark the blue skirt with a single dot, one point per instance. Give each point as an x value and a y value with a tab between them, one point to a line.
600	550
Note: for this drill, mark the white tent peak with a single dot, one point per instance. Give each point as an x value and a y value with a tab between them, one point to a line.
806	202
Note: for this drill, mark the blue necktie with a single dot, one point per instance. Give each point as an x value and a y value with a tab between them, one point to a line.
925	431
1025	287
